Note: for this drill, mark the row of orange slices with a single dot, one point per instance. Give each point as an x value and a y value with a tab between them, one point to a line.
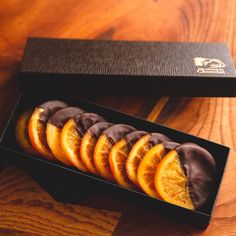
144	165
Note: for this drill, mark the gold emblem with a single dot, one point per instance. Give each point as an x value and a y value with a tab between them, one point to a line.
209	66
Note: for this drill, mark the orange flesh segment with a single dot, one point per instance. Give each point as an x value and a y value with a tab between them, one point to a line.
21	132
101	157
117	160
53	134
70	142
147	169
171	182
139	149
37	134
87	148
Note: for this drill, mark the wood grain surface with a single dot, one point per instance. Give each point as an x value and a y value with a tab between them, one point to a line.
25	208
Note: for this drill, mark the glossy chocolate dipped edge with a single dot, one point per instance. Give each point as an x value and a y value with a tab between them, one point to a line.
63	115
97	129
86	120
170	145
200	168
156	138
133	137
117	132
50	107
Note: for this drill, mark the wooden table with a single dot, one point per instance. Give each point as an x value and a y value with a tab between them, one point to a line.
25	208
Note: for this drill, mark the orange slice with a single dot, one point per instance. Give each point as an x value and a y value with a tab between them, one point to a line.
37	126
148	166
72	134
103	147
189	171
54	129
101	155
171	182
88	144
147	169
21	132
140	148
118	156
70	142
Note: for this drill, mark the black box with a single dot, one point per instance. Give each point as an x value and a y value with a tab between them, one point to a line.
42	169
44	80
121	67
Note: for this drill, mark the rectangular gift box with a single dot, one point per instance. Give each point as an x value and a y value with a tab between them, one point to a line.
52	67
121	67
83	184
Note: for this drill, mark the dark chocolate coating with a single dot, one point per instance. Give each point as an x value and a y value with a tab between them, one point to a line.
86	120
158	138
133	137
200	168
50	107
117	132
63	115
97	129
170	145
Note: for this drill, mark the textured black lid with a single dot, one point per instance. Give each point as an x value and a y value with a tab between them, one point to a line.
122	67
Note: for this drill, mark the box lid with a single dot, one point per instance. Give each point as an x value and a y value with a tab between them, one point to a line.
122	67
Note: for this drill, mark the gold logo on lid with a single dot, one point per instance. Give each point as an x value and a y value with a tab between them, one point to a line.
209	66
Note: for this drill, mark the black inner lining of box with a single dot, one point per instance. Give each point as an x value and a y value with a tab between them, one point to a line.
218	151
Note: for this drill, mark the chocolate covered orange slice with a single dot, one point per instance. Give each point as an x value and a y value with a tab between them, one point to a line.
88	144
103	147
21	132
37	126
148	165
118	156
185	176
139	149
54	128
72	134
